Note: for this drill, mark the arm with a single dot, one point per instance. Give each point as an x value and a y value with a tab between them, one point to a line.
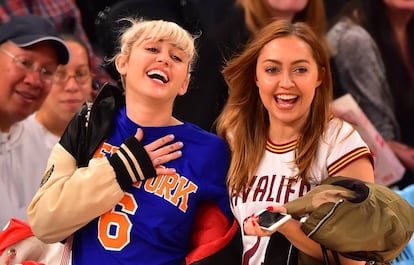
71	197
362	74
361	169
293	232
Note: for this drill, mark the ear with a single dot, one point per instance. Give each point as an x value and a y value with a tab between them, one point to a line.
321	76
318	83
120	64
184	86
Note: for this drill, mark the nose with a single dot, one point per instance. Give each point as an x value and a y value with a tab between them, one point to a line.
71	85
286	80
163	57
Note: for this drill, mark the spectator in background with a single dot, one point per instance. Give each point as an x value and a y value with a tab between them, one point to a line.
373	44
29	55
71	87
208	93
67	19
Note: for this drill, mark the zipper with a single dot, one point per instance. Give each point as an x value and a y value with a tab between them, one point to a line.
326	217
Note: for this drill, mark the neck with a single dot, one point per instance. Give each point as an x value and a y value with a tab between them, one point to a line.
5	123
282	134
53	124
150	116
5	128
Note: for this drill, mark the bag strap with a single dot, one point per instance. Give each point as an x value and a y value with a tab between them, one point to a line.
325	255
66	251
336	257
326	258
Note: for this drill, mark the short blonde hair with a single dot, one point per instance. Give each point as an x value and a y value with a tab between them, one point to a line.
157	30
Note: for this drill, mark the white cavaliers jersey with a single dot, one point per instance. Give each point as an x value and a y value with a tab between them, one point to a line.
274	183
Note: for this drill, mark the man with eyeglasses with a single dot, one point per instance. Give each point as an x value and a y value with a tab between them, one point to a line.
30	52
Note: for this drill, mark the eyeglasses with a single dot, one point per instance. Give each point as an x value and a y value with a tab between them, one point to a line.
80	77
46	75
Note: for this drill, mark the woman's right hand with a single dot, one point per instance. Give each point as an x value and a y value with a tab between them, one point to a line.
162	151
251	226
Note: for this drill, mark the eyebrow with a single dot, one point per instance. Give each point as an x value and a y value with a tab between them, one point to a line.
279	62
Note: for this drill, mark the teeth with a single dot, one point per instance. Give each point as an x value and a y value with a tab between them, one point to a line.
286	97
158	74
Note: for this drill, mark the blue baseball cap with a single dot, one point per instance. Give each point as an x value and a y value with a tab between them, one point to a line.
25	31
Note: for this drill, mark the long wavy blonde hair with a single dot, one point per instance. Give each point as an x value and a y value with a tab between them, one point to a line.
244	121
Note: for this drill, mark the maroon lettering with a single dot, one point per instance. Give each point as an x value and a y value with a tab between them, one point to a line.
260	191
289	190
279	191
304	188
269	197
250	252
245	194
267	189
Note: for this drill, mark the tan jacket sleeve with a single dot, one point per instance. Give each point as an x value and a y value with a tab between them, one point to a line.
71	197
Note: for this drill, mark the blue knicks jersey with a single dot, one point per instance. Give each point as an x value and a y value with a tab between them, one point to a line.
151	225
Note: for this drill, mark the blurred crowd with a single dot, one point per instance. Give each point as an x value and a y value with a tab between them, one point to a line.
50	72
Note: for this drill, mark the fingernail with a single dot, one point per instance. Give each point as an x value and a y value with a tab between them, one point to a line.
269	208
179	153
181	144
172	136
138	130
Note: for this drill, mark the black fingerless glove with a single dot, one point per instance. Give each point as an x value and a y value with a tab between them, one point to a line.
131	163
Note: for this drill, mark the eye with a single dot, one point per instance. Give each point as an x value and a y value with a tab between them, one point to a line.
47	72
82	73
301	70
272	69
25	63
176	58
152	49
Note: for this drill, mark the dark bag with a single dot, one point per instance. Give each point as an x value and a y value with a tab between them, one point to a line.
361	221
